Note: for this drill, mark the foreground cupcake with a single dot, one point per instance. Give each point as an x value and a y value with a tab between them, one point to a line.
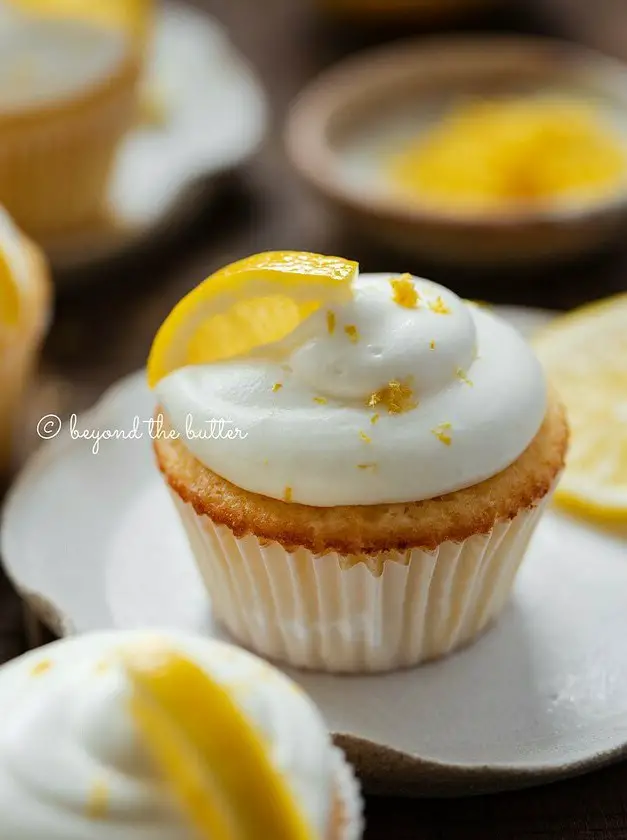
68	94
120	736
25	304
359	462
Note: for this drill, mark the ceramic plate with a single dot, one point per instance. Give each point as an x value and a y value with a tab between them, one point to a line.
93	542
214	117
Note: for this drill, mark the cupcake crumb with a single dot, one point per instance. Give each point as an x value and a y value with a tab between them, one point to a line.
287	495
432	344
404	292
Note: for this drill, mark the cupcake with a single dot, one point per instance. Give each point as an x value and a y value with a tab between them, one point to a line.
25	305
359	475
126	735
68	94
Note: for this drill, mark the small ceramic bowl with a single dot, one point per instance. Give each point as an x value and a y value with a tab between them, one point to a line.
348	121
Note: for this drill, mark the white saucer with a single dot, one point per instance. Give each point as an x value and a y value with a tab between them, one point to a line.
215	116
93	542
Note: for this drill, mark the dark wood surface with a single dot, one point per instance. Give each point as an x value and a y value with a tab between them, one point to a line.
104	326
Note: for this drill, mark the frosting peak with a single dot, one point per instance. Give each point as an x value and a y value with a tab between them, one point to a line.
429	393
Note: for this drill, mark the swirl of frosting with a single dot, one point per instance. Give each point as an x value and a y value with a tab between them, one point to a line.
404	393
72	766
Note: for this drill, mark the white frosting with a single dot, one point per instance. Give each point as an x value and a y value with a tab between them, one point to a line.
467	368
67	729
44	60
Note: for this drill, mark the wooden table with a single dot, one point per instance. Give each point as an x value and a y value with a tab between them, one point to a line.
103	330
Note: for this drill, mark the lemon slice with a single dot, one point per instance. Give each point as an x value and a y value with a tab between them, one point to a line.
585	354
135	16
215	763
10	301
250	304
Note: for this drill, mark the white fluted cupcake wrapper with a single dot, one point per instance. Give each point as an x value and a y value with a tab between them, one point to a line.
351	811
357	615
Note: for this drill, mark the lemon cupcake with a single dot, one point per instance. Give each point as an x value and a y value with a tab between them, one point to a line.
122	736
68	94
25	305
358	493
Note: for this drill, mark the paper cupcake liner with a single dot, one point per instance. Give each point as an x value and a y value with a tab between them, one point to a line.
357	614
348	823
54	170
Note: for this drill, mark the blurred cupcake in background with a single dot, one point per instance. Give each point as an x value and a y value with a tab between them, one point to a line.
25	308
69	74
142	736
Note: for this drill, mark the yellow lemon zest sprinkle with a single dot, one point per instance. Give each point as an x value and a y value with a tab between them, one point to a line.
41	667
352	332
277	386
439	307
432	344
287	495
397	397
441	433
98	802
460	374
404	291
365	437
320	400
374	419
366	466
330	322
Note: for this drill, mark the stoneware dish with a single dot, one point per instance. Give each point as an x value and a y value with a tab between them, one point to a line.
350	118
92	541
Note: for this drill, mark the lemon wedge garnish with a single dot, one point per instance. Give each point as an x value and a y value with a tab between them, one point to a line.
10	301
585	354
133	16
247	305
214	762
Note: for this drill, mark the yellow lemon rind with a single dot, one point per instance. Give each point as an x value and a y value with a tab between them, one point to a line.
215	761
